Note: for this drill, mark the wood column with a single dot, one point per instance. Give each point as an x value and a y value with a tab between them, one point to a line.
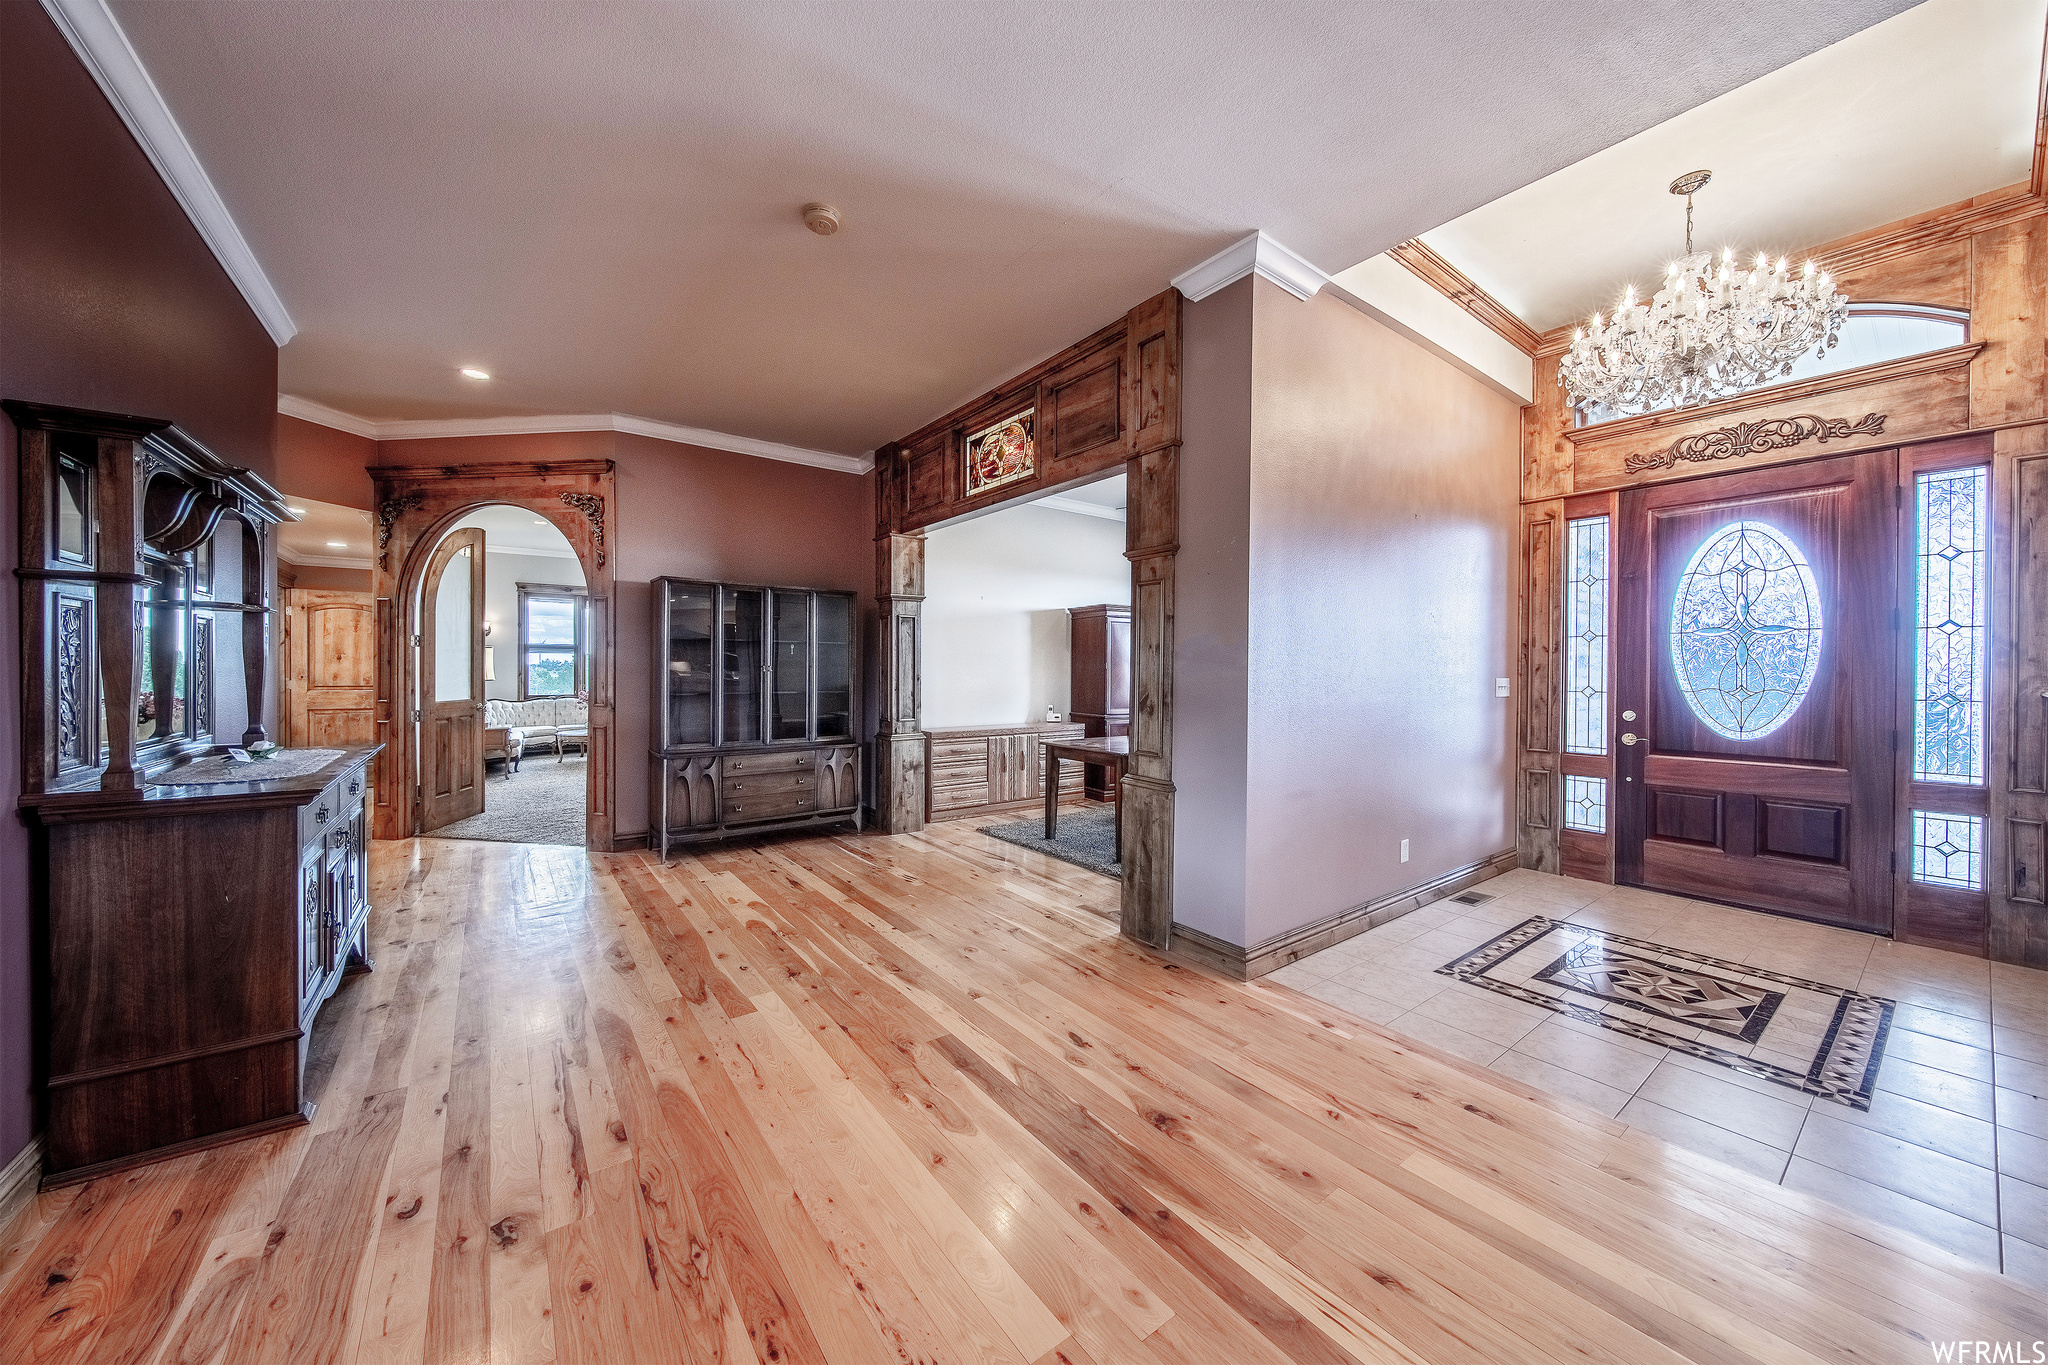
255	629
899	743
1538	802
2009	383
1152	539
120	537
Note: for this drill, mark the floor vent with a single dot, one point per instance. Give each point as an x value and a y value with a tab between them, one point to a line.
1471	898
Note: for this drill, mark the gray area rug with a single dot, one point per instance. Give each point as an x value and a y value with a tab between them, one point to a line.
542	804
1087	838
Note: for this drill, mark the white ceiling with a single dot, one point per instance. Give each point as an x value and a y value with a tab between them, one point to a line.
598	202
326	534
1103	498
514	530
1930	107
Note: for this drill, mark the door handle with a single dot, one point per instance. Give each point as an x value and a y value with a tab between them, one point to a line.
1630	739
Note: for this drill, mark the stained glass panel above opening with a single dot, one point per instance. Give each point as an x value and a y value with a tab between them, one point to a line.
1585	636
1951	620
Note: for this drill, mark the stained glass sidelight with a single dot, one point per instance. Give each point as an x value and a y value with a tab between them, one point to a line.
1950	626
1746	630
1585	636
1948	850
1585	804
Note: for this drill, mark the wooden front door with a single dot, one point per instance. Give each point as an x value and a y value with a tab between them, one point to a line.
451	673
1755	688
330	674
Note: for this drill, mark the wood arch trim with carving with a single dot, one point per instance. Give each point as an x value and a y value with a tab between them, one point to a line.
413	507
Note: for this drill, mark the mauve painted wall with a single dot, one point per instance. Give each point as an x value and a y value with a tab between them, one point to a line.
108	299
1383	513
1211	606
682	511
323	464
322	576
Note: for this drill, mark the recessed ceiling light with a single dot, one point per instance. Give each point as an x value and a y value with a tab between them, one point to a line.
296	511
337	545
472	372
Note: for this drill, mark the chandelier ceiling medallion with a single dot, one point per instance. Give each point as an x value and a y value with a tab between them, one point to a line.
1713	330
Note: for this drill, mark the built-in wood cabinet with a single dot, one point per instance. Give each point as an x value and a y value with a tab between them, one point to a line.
971	770
1099	651
753	709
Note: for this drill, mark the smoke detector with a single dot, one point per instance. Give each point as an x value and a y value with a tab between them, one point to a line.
822	219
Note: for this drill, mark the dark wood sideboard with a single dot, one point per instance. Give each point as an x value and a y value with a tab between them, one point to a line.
185	934
193	934
1099	653
976	769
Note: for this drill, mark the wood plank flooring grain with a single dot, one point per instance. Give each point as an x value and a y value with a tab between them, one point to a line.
874	1100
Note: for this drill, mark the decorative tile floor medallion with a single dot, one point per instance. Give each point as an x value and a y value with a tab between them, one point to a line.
1820	1039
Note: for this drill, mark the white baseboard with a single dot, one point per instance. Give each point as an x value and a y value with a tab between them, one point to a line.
19	1180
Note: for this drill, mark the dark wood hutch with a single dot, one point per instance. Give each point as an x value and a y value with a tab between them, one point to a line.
186	933
754	710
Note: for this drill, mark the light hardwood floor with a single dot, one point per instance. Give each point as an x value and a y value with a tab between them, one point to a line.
870	1099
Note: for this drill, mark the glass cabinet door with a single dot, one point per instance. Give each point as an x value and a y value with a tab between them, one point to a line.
835	665
690	671
741	620
789	701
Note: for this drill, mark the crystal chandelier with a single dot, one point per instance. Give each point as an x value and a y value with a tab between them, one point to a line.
1714	329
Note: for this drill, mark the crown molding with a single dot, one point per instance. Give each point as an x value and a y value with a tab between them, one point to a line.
1061	503
1253	254
525	551
96	36
321	561
306	410
1439	274
291	405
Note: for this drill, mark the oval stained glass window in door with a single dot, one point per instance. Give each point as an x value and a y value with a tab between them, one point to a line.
1746	630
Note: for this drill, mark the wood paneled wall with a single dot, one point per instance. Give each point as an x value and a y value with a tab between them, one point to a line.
1989	255
1109	402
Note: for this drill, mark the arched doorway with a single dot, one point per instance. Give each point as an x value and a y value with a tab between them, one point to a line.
415	509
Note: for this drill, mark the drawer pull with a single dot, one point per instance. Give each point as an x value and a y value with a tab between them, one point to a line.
355	784
320	815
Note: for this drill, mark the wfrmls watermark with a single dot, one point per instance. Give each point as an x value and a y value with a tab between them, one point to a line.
1965	1352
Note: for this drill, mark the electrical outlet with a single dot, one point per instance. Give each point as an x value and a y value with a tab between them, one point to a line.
1500	687
1404	850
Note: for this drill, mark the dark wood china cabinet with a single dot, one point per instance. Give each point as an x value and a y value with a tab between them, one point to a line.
753	710
192	912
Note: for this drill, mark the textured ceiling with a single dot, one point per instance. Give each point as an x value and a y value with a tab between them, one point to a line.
598	202
1930	107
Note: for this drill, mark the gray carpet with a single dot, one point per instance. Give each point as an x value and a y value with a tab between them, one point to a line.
1087	838
542	804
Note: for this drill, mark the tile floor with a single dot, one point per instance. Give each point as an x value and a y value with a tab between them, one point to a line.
1954	1147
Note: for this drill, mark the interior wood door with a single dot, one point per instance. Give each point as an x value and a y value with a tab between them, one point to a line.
451	673
330	675
1755	688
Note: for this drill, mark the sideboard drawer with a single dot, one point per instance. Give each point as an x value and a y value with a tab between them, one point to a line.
764	784
770	761
960	796
769	805
944	749
959	770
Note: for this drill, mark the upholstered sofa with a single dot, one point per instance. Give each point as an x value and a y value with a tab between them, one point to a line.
528	722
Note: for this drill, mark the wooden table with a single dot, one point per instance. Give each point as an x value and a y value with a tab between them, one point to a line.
1113	753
